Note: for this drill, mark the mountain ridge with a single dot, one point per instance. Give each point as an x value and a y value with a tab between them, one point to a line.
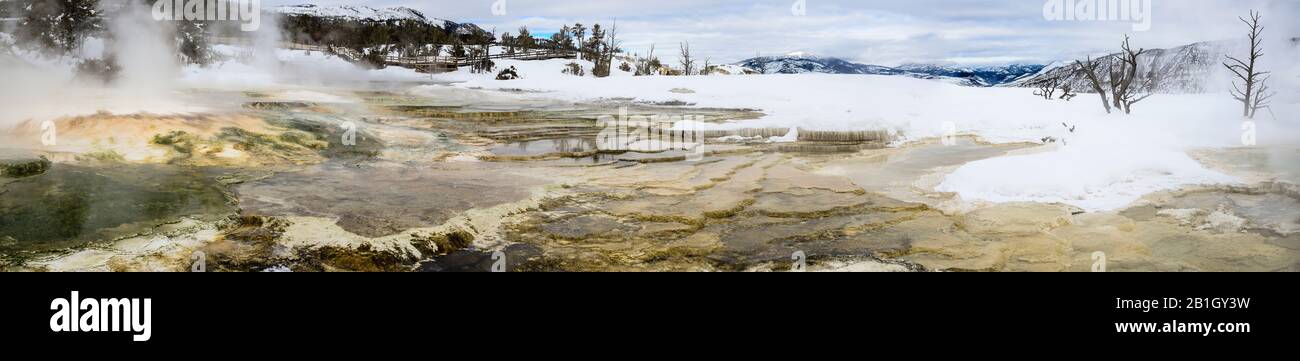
978	76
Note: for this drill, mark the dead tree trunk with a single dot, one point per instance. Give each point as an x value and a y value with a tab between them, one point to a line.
688	64
1126	95
1065	93
1090	69
1256	95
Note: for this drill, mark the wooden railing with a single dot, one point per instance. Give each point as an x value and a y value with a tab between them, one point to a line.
467	61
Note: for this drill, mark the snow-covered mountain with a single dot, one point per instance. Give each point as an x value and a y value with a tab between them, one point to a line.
366	13
1184	69
977	76
799	63
353	12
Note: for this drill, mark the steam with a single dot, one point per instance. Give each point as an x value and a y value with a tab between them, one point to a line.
39	88
142	49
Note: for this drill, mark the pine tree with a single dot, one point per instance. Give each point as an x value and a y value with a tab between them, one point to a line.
192	41
592	48
58	26
580	33
525	39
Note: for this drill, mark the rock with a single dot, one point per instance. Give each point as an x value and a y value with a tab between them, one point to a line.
1184	216
508	74
1223	220
23	166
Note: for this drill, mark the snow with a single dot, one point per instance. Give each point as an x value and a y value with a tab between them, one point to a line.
1109	161
732	69
1094	178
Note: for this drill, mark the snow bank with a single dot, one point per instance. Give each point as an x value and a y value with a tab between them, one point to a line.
1095	178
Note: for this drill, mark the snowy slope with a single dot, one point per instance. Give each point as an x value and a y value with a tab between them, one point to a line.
1184	69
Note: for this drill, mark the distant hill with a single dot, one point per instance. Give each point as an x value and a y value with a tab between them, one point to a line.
799	63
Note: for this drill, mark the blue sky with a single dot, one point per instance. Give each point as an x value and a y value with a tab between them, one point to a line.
885	32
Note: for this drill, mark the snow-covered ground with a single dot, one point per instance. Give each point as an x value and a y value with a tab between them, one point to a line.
1108	161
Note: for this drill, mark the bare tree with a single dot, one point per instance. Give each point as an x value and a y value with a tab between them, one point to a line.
707	65
688	64
1089	69
1066	95
1122	75
1047	87
648	65
580	32
605	51
1256	95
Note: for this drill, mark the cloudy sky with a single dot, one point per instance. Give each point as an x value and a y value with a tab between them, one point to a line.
885	32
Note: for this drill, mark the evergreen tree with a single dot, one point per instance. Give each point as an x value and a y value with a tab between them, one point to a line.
192	41
508	42
525	39
58	26
592	48
580	32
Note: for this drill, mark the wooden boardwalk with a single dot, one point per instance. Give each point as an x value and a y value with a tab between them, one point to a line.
435	64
